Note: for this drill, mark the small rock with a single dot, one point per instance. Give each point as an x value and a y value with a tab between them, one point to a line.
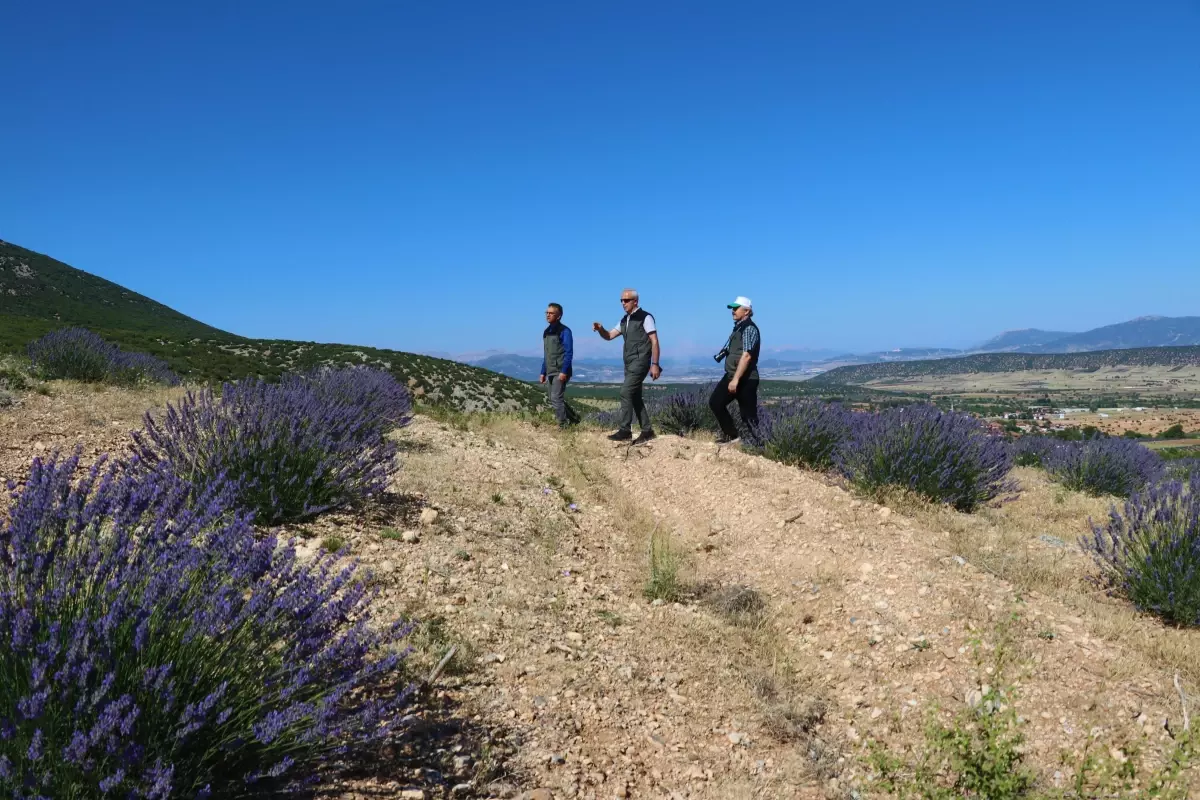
558	758
574	636
413	794
460	789
429	516
492	658
737	738
412	537
541	794
885	512
461	763
962	562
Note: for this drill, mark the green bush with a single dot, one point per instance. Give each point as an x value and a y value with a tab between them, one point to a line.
1173	432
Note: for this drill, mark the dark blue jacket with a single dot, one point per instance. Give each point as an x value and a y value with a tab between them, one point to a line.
568	345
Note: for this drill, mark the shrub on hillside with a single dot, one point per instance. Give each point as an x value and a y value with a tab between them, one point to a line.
1174	432
683	412
292	449
1032	450
155	646
78	354
1104	466
946	457
1151	552
803	432
382	401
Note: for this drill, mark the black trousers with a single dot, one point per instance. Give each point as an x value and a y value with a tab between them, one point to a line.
747	400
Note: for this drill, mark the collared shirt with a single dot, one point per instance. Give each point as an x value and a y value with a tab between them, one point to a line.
568	345
647	324
749	335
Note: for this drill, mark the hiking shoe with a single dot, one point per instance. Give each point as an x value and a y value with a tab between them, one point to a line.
644	437
620	436
723	439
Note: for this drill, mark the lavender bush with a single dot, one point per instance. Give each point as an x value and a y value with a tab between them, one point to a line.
683	412
1151	553
155	647
293	449
78	354
1032	450
803	432
382	401
1104	466
944	456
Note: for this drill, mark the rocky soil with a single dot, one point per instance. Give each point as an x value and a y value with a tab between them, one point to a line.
809	621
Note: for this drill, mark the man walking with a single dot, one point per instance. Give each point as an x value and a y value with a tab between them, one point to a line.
740	381
641	357
558	350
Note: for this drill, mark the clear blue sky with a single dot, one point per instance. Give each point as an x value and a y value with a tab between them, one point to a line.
426	176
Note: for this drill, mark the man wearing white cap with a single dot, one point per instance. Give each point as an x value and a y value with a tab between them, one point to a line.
741	373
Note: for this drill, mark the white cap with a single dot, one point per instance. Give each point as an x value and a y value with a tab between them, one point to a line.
741	301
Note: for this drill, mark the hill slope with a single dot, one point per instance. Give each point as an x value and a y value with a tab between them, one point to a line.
1011	341
1012	362
1140	332
39	294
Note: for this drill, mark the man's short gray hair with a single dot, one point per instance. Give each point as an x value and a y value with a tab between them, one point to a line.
632	292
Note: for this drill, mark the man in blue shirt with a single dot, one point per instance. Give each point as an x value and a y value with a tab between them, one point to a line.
558	350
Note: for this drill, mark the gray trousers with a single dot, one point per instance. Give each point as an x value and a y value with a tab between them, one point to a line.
631	399
558	400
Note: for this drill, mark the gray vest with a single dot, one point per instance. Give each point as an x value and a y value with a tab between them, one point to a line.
552	347
637	341
735	352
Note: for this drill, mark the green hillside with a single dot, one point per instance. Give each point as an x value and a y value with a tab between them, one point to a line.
39	294
1013	362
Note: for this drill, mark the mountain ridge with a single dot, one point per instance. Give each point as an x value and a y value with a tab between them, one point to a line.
39	294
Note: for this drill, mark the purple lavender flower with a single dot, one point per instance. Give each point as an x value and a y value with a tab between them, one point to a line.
1104	466
684	411
78	354
1150	551
143	607
944	456
1033	450
802	432
291	449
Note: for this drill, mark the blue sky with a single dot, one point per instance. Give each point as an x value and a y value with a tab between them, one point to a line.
427	176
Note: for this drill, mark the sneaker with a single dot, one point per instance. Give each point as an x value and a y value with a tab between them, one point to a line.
644	437
723	439
620	436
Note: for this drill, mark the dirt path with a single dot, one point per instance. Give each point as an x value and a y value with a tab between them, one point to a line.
526	550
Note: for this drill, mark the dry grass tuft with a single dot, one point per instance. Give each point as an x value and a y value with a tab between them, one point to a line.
738	605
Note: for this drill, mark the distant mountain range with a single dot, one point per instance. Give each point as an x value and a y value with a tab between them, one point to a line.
1013	341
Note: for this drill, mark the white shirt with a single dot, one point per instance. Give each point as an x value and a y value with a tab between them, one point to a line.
647	326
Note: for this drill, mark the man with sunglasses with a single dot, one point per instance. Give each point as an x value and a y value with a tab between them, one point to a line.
641	358
558	351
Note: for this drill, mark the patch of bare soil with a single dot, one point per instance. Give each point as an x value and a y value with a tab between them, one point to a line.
805	623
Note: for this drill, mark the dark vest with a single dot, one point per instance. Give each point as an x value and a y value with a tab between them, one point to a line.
735	351
552	347
637	341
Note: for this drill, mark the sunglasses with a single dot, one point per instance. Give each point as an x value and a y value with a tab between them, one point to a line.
627	299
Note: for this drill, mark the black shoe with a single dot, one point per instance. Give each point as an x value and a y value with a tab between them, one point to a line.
620	436
644	437
723	439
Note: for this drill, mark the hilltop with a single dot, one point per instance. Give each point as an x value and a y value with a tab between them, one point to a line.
39	294
1013	362
809	622
1150	331
1011	341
